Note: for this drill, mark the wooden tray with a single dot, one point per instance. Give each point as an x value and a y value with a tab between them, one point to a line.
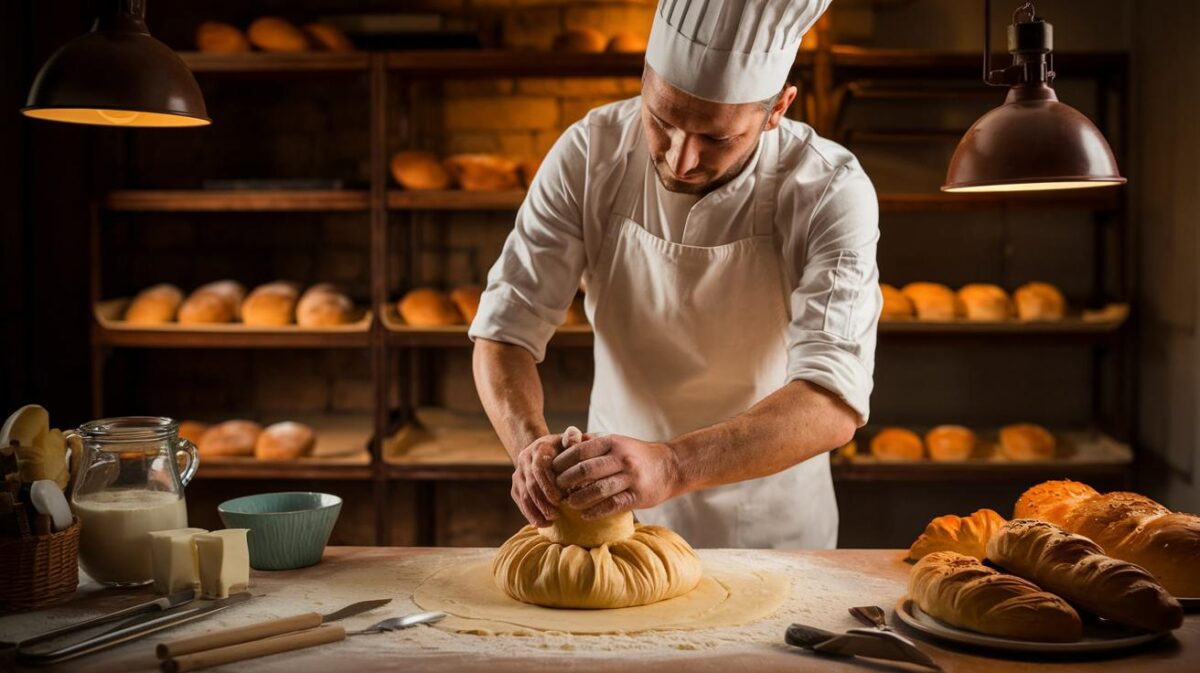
1074	449
109	314
444	437
1107	319
342	440
457	334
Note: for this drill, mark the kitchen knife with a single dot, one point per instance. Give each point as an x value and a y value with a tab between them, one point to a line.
857	642
275	627
164	603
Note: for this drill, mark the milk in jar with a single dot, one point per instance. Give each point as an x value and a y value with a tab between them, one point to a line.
114	547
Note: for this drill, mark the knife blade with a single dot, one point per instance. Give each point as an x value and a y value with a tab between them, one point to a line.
867	643
354	609
157	605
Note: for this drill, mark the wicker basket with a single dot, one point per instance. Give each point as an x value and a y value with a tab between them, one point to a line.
39	570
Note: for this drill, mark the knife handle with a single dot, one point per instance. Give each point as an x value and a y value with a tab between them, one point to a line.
240	634
807	637
257	648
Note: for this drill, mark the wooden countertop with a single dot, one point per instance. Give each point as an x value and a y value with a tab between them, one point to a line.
352	569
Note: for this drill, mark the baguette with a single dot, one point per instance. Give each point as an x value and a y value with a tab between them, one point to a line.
966	535
962	592
1077	569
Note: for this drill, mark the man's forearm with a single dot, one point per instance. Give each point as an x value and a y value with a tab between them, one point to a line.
507	380
789	426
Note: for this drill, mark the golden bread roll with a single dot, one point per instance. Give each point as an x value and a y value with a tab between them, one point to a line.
271	33
216	302
483	172
962	592
324	305
231	438
1039	301
585	40
933	301
155	305
272	304
1026	441
576	314
626	43
328	38
848	450
214	37
416	169
895	304
284	441
529	168
466	298
192	431
981	301
897	444
427	307
950	443
967	535
1077	569
1052	501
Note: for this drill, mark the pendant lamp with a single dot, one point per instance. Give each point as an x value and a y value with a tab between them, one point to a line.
117	75
1033	141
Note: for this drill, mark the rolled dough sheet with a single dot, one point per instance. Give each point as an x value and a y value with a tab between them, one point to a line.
728	595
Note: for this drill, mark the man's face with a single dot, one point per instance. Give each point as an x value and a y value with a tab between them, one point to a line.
698	145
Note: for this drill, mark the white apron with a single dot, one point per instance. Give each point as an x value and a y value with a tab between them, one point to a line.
690	336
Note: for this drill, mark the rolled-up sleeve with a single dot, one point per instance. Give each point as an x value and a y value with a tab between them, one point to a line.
836	301
532	284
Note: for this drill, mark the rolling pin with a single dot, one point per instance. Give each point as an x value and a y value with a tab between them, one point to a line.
254	649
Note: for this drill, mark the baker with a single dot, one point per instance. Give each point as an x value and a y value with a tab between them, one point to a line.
728	257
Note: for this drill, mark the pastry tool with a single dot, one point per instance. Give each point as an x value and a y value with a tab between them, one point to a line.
874	616
275	627
289	642
869	643
157	605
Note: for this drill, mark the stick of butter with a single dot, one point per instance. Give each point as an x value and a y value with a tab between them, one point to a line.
173	559
224	561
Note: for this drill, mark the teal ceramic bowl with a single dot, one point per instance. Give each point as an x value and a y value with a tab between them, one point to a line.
287	530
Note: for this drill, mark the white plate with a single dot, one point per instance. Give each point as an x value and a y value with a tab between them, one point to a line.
1096	637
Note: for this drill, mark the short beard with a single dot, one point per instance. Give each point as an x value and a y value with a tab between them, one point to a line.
679	187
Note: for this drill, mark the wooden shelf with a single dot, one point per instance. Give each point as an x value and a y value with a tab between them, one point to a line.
452	199
1103	321
257	469
927	471
865	61
263	62
198	200
511	63
399	334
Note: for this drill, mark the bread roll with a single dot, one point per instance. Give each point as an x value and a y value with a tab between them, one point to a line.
895	304
231	438
271	33
284	441
981	301
328	38
216	302
950	443
529	169
1077	569
576	313
271	305
1026	441
848	450
466	298
627	43
585	40
483	172
1052	501
967	535
192	431
427	307
415	169
933	301
1039	301
897	444
324	305
214	37
962	592
154	305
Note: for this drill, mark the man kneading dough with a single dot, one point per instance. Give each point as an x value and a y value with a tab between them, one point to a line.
729	260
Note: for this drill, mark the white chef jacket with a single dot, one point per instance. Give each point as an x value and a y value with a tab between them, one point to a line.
826	226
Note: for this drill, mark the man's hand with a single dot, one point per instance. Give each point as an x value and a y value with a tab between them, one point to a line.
533	487
611	473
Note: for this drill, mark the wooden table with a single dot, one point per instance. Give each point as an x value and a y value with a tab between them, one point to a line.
352	566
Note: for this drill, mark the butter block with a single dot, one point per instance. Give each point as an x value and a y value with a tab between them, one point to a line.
173	559
224	559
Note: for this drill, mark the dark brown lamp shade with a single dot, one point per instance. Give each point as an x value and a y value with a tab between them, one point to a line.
117	75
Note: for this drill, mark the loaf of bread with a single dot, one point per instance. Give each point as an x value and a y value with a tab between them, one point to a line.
897	444
231	438
950	443
981	301
284	441
1039	301
1026	441
483	172
427	307
466	298
1077	569
328	38
214	37
1053	501
933	301
627	43
584	40
192	431
416	169
271	33
217	302
962	592
324	305
895	303
967	535
155	305
271	305
576	313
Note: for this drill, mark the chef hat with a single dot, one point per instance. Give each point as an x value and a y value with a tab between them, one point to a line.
729	51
